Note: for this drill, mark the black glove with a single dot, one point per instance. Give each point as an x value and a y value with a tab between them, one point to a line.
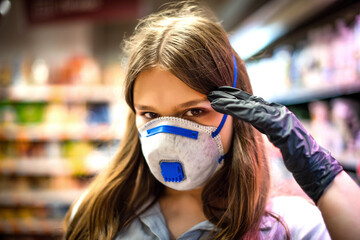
312	166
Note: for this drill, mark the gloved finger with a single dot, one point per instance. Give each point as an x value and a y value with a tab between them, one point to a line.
231	93
244	110
238	93
228	92
230	106
240	99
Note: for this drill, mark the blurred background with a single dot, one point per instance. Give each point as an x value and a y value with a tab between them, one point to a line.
62	113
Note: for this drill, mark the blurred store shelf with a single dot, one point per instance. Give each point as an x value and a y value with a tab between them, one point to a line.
35	167
304	95
31	226
39	197
47	132
61	93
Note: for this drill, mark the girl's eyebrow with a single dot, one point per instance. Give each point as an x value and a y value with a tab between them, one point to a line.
143	107
192	103
182	105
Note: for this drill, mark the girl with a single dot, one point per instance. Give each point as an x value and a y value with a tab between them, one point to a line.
185	170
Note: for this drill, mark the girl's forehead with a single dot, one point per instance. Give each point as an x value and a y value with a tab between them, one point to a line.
160	87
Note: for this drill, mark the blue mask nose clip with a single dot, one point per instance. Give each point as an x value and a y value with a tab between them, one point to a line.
172	171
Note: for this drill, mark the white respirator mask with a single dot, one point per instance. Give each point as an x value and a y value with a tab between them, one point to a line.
182	154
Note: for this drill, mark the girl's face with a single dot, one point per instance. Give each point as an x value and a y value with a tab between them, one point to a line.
159	93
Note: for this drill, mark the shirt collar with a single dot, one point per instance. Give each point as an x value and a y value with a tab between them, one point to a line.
155	221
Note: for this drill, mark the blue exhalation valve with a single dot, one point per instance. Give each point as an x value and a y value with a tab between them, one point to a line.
172	171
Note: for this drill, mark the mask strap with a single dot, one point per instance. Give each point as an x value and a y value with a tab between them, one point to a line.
217	131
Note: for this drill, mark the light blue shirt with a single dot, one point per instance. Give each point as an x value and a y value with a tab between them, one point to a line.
303	220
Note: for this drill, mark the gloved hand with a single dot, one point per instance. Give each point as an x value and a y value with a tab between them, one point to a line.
312	166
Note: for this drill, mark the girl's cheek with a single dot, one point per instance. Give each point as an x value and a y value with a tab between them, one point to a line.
226	134
140	121
211	119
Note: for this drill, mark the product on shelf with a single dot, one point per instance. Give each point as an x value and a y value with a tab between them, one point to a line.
80	70
29	113
5	74
76	152
98	113
357	43
113	74
345	116
270	76
39	72
320	124
7	113
336	127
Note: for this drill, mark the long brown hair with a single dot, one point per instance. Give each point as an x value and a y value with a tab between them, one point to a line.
185	40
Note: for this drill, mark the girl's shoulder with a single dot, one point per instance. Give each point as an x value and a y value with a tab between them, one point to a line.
302	218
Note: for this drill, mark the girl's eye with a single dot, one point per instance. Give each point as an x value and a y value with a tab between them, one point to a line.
150	115
194	112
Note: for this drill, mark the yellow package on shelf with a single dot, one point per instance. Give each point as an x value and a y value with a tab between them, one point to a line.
76	153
